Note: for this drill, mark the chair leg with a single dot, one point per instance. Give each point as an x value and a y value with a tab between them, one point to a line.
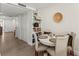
39	53
36	53
48	54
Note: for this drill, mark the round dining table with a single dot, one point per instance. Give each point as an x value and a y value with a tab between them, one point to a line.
46	41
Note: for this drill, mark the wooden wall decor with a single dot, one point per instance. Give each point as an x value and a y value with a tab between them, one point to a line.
58	17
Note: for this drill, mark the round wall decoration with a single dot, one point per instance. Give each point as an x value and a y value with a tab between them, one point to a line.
58	17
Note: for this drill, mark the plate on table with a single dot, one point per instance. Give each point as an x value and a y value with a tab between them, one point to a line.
52	40
43	37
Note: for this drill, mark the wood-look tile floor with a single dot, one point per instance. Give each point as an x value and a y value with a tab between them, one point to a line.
9	46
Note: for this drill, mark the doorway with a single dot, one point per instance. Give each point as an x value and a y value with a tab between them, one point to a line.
1	26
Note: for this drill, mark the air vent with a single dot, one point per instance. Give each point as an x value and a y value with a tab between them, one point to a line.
23	5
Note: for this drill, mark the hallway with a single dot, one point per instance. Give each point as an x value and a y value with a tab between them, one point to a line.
9	46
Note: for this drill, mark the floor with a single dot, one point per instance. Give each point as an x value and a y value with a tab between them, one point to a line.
9	46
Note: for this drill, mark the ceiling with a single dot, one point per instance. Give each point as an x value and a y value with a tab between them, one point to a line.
40	5
12	10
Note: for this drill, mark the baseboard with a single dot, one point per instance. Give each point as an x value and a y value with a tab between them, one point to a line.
16	37
29	43
9	32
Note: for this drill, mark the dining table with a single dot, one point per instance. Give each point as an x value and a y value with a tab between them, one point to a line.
46	40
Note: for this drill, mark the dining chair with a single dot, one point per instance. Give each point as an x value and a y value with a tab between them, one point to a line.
39	49
70	49
60	48
74	36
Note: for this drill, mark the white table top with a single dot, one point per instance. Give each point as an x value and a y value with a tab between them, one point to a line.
46	42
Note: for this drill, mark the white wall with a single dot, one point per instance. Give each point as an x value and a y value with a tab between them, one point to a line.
27	27
24	28
8	24
18	27
70	22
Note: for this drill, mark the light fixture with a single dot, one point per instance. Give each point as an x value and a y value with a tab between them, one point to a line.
58	17
23	5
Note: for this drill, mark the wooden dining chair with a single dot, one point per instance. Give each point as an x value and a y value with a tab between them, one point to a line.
74	36
39	49
70	48
60	48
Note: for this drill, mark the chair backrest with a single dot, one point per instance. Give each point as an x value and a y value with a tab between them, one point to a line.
74	36
36	41
61	45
